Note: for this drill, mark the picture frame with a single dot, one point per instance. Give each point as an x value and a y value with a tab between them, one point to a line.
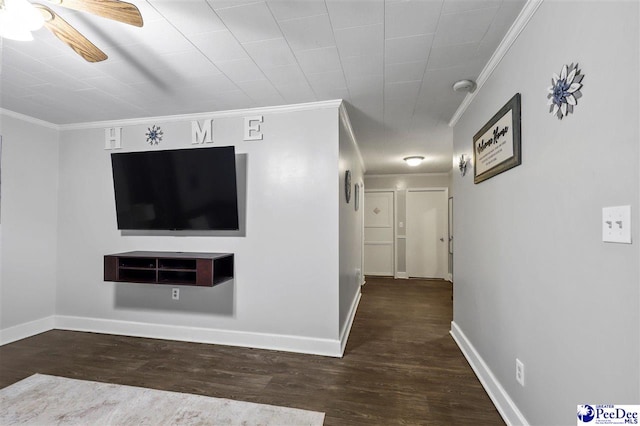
497	146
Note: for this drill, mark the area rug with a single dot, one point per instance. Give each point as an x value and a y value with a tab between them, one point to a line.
50	400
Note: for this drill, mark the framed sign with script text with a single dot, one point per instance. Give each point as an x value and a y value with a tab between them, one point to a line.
496	147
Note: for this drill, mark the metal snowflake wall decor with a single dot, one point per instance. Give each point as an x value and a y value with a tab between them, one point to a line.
565	91
154	135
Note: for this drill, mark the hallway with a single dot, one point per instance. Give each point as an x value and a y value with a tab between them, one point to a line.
400	367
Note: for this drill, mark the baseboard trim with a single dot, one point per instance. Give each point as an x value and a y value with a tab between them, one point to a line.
278	342
500	398
28	329
402	275
450	277
346	330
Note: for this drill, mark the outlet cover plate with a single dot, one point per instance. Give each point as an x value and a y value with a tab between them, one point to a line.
520	372
616	224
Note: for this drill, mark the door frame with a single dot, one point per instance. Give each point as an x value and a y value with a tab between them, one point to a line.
361	192
450	231
393	227
431	189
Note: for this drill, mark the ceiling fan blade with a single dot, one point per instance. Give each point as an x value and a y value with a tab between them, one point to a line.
111	9
72	37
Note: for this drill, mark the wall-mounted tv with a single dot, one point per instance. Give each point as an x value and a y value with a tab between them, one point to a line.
184	189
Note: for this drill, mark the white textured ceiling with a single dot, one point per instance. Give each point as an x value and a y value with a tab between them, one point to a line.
392	61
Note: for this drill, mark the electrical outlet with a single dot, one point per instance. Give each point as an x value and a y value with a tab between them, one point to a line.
520	372
175	294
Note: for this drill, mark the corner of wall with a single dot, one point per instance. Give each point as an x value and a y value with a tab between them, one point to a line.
499	396
25	330
29	195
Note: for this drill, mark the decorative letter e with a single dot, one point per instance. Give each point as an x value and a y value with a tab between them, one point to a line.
252	128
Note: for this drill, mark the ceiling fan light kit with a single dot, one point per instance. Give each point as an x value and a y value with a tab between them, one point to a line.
18	18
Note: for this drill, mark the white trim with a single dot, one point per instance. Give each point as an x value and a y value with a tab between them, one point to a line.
28	329
395	233
499	396
430	189
401	237
346	330
335	103
346	122
450	277
398	175
518	25
279	342
28	119
381	190
361	217
403	275
204	115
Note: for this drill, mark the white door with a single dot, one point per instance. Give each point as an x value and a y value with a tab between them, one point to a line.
427	234
378	233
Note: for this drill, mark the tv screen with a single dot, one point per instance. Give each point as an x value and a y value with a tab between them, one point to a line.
184	189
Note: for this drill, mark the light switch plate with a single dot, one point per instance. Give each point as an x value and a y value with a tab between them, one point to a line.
616	224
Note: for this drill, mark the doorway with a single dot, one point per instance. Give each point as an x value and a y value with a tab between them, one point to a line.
427	233
379	251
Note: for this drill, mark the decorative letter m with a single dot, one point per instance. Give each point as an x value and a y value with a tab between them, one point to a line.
202	134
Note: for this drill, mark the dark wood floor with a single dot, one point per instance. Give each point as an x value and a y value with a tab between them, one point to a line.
400	366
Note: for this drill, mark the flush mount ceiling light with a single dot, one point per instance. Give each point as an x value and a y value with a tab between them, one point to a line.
414	160
464	86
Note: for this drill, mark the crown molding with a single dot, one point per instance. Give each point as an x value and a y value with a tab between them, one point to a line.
404	175
335	103
205	115
519	24
28	119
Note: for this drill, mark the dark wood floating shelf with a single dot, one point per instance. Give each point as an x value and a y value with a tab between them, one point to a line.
165	267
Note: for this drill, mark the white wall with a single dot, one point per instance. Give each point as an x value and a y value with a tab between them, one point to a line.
285	293
29	216
533	280
350	250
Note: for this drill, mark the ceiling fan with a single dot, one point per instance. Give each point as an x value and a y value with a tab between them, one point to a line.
19	17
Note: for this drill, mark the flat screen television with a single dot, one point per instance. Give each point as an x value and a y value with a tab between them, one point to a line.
183	189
